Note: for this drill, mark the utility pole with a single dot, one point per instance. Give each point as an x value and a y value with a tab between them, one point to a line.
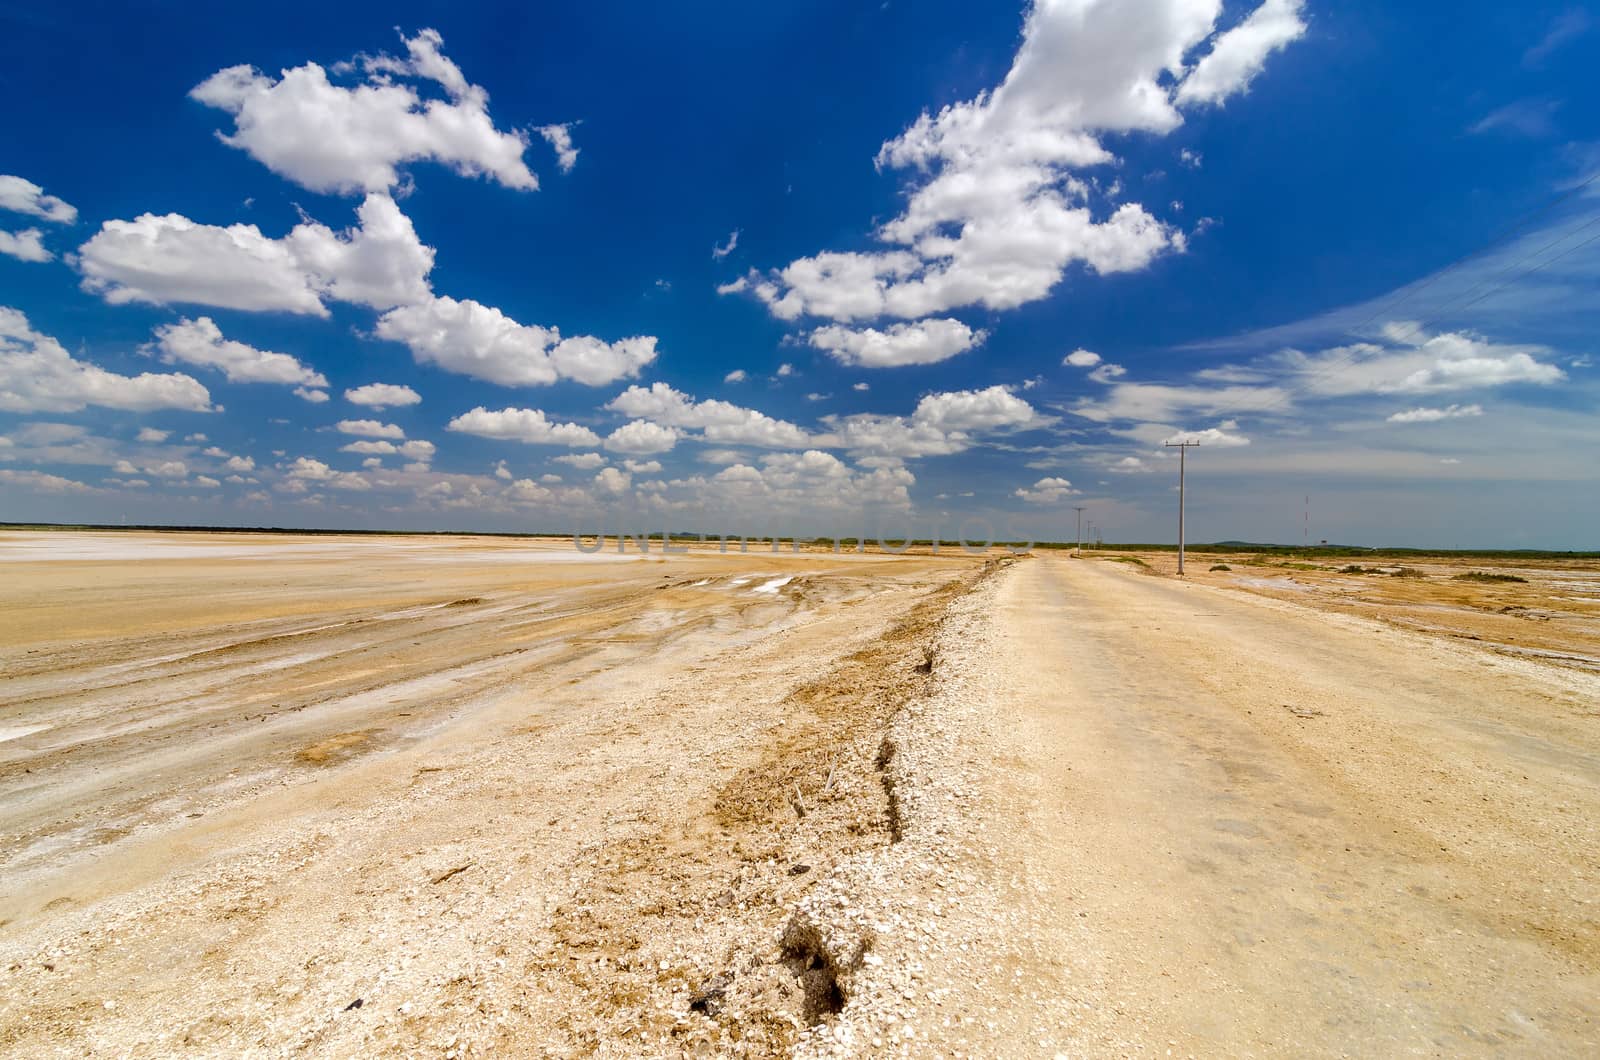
1183	453
1080	530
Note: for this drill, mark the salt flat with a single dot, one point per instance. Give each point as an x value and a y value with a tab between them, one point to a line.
277	794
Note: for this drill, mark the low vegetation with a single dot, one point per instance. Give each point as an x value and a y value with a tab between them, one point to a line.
1485	576
1406	572
1221	566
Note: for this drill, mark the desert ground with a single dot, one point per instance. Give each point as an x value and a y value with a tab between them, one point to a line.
277	795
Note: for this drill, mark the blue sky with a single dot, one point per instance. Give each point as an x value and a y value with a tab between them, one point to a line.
822	269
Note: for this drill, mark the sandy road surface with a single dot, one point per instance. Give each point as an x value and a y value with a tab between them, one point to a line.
1251	828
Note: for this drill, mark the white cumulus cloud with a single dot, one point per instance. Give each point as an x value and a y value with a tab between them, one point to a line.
997	215
332	137
165	259
19	195
26	245
581	461
1047	491
720	422
642	438
476	340
1238	55
1431	415
522	425
921	342
380	396
559	137
200	342
37	374
369	429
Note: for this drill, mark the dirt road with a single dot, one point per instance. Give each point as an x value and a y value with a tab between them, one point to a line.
1253	828
281	796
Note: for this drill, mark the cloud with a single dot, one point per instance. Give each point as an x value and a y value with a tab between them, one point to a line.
1427	415
718	253
941	424
1047	491
307	469
38	375
40	482
922	342
380	263
240	464
476	340
1238	55
151	436
1569	25
316	397
522	425
370	448
719	422
642	467
1165	403
1080	358
738	375
785	370
642	438
612	481
200	342
24	196
331	138
168	469
1410	363
559	137
369	429
380	396
997	216
1532	118
1211	436
26	245
991	409
581	461
1128	465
